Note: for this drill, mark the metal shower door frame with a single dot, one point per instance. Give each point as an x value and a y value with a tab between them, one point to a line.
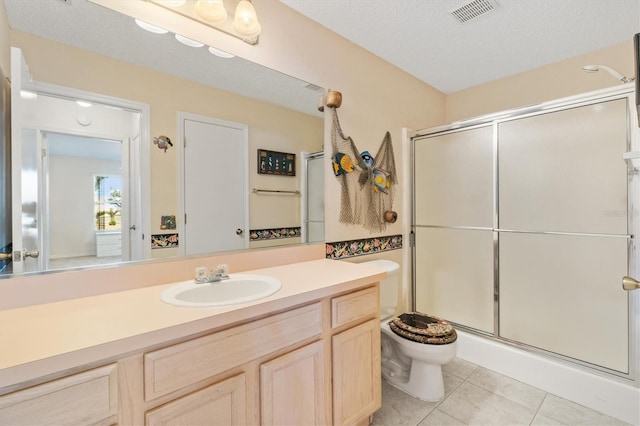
633	216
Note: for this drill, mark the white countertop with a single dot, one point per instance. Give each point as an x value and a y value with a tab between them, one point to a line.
41	340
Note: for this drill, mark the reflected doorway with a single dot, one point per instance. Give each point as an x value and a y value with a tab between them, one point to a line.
85	208
58	130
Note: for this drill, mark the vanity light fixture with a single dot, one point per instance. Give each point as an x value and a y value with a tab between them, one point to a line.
220	53
187	41
211	10
151	28
242	24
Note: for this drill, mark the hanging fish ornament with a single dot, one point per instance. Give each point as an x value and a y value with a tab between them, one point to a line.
342	164
367	158
381	181
163	142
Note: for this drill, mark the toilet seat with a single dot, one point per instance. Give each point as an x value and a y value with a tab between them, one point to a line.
423	328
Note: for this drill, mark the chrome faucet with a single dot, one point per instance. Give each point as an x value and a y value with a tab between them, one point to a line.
221	273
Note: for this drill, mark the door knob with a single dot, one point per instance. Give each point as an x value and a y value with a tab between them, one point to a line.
5	256
239	231
629	284
32	253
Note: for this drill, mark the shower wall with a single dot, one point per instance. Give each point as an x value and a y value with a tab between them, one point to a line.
522	229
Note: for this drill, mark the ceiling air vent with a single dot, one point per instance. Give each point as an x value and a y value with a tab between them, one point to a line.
473	9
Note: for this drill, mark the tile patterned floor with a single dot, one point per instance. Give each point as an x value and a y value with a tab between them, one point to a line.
477	396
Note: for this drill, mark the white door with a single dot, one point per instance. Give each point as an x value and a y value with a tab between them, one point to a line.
25	175
215	183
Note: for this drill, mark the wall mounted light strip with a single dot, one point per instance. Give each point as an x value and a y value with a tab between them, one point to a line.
242	24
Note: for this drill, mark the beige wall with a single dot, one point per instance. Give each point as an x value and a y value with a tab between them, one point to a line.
554	81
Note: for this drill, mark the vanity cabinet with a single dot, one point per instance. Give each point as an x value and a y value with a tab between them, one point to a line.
293	388
314	364
356	366
87	398
356	373
220	404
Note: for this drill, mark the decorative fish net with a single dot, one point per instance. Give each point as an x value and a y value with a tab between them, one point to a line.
378	184
367	191
345	162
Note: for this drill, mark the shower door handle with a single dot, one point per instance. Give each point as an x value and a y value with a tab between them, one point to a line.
629	283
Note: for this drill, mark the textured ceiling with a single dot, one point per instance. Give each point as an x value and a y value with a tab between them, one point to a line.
419	36
422	38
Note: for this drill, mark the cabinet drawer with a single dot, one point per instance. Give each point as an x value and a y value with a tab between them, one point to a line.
222	404
354	306
175	367
86	398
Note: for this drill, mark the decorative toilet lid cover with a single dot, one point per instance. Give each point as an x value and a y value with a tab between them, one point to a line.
423	328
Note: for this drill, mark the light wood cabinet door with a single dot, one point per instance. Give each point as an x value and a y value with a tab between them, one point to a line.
221	404
88	398
293	388
357	391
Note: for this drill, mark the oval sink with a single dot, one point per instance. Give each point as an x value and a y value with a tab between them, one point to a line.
238	288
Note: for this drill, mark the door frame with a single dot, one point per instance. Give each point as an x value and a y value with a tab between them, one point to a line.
139	186
244	128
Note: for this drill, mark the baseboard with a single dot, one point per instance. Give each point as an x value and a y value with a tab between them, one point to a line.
608	396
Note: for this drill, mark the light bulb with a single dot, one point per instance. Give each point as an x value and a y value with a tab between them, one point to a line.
211	10
245	21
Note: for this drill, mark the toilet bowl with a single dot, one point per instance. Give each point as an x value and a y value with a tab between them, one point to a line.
409	365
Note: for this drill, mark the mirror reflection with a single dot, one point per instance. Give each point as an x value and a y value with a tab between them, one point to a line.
160	88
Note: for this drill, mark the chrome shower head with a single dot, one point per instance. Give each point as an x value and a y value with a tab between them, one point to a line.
616	74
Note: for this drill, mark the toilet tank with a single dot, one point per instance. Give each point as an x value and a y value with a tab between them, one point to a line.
388	286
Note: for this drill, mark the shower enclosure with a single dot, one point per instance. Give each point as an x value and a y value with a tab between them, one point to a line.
525	224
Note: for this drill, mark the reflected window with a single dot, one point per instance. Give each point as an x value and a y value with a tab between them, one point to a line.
107	201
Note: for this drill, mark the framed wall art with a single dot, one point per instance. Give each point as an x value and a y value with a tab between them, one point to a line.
276	163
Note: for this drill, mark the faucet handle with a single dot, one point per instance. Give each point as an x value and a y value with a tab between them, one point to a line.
202	275
223	269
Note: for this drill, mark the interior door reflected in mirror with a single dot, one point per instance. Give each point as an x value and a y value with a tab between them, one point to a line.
119	60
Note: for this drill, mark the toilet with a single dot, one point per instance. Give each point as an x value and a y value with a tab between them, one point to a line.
407	364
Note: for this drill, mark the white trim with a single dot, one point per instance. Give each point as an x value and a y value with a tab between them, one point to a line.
599	393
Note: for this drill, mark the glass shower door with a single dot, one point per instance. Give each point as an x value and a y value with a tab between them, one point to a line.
563	235
453	227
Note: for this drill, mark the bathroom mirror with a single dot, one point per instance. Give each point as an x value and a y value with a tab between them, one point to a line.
90	27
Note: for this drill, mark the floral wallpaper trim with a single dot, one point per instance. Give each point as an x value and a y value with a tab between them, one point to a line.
351	248
274	233
160	241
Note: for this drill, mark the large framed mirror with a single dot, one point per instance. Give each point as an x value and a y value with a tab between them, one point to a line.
77	50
